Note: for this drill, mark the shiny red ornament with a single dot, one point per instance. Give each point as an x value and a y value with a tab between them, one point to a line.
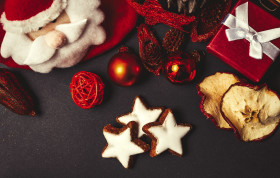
124	68
87	89
180	68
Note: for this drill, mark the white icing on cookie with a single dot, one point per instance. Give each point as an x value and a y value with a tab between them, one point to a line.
141	115
121	147
169	135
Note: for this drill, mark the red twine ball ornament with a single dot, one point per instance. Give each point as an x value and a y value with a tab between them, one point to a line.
180	68
87	89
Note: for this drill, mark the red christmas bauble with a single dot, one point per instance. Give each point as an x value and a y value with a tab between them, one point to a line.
180	68
124	68
87	89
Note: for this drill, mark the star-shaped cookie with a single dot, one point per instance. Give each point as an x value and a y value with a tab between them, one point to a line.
123	143
140	114
166	134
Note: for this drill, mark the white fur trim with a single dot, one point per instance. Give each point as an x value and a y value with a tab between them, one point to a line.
35	22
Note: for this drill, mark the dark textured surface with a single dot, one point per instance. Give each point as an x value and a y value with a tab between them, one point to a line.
66	141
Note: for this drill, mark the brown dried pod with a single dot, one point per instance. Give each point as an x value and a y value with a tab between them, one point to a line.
150	51
173	40
13	96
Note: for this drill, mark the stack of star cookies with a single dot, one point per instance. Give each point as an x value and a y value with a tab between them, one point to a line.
157	123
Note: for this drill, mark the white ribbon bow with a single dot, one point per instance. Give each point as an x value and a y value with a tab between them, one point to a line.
259	41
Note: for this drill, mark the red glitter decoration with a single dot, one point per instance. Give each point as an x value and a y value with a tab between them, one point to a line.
153	13
87	89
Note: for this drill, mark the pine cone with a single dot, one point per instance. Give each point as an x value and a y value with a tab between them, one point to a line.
173	40
150	51
186	6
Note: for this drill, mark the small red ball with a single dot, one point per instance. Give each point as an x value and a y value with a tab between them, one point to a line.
124	68
180	68
87	89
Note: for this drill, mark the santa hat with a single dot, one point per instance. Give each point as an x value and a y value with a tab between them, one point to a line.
29	15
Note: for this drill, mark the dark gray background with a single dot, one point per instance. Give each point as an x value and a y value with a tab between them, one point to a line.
66	141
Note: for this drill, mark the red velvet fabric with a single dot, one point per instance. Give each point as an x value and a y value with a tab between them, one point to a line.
120	19
236	53
15	9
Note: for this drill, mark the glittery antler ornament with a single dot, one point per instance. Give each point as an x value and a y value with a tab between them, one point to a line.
153	13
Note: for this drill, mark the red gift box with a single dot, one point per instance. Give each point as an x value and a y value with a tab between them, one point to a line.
236	53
